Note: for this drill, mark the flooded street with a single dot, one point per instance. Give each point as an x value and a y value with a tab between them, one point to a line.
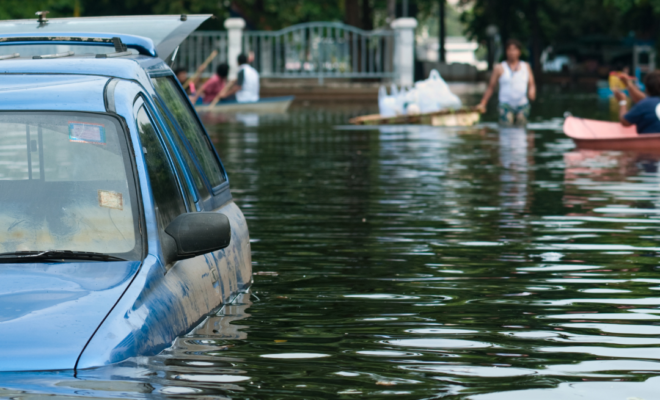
421	263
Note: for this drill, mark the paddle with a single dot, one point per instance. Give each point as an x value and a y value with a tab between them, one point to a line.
201	69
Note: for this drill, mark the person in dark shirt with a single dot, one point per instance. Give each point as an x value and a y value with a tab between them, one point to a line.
645	115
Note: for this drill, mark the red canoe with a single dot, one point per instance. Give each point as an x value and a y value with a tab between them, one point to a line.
603	135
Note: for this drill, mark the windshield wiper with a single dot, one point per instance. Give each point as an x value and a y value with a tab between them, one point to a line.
27	256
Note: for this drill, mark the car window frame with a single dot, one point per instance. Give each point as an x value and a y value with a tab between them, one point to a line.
214	191
188	146
188	149
137	104
164	132
137	186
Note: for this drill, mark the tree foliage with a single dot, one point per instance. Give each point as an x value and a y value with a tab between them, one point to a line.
562	21
276	14
260	14
549	22
627	5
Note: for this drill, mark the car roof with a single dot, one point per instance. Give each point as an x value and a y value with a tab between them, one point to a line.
127	67
52	92
59	79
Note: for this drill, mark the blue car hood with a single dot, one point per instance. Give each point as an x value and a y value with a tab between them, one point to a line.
48	312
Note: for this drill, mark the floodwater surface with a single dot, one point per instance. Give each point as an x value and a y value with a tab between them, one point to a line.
419	262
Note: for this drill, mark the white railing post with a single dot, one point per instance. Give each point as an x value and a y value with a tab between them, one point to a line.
404	50
234	28
266	56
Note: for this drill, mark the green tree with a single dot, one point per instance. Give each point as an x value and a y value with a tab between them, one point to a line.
275	14
539	23
15	9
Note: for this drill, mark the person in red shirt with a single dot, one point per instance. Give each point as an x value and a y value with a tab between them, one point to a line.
214	85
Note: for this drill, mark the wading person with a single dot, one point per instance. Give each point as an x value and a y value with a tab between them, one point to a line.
246	85
516	87
645	115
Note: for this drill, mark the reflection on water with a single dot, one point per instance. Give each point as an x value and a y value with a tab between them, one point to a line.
423	263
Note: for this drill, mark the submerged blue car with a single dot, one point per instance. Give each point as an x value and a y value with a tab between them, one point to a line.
118	231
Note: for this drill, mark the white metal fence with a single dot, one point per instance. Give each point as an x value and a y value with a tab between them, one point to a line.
322	50
316	50
197	47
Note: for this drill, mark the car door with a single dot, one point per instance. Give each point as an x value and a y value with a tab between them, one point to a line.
166	298
169	187
211	182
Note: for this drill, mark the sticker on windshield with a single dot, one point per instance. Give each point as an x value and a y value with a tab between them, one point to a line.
83	132
111	199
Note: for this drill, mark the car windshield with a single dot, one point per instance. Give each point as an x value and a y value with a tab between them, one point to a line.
66	184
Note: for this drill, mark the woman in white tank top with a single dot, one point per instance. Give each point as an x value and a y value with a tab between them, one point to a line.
517	87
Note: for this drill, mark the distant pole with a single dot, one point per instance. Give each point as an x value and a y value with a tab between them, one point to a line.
404	12
391	11
493	34
442	55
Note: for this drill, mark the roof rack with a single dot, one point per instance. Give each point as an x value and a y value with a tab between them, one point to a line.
113	55
116	41
56	55
10	56
121	48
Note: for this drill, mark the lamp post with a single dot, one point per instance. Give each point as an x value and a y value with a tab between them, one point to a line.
442	53
493	34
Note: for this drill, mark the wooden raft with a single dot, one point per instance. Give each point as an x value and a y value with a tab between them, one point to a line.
461	117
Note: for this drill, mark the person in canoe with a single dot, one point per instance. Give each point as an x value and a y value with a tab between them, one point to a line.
182	76
645	114
516	86
212	87
246	85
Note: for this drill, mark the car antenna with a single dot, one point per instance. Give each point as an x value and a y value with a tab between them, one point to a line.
42	17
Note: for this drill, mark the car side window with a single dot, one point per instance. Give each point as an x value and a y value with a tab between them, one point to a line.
167	197
197	178
178	105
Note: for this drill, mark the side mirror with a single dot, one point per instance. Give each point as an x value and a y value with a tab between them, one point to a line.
198	233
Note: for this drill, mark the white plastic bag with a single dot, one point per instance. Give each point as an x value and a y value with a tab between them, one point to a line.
427	100
412	109
434	95
400	104
446	99
394	91
410	106
386	103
